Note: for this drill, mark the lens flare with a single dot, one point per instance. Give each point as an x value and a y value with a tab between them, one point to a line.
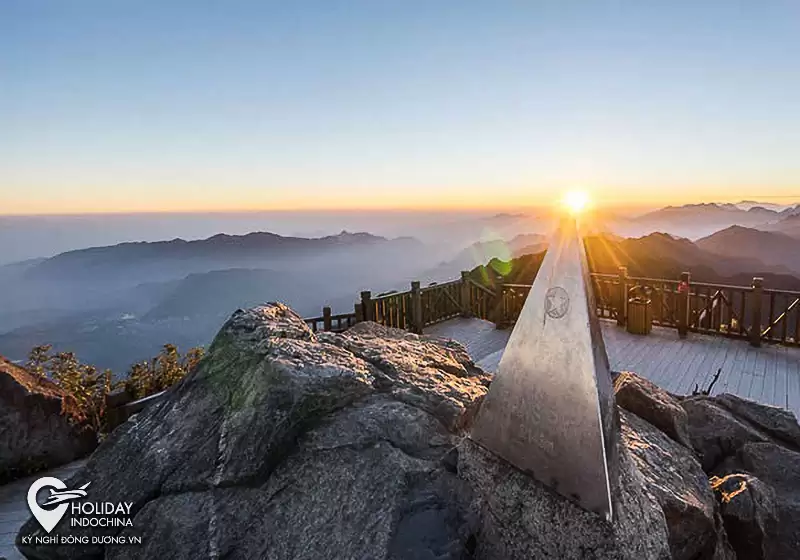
576	201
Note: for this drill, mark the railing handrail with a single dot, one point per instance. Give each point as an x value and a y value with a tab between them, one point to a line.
780	292
480	286
390	295
736	311
439	285
721	286
653	280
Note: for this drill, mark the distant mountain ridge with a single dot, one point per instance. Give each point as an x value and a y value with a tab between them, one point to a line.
695	221
772	248
484	251
716	211
747	204
129	264
244	245
115	304
788	225
657	255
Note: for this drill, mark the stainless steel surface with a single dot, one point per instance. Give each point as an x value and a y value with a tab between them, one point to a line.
550	408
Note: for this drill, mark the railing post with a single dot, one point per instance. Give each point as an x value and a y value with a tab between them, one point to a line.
755	311
366	306
466	304
359	311
327	323
417	322
682	304
622	308
498	315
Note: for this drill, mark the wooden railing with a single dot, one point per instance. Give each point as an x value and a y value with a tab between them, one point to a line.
441	302
748	312
331	323
393	310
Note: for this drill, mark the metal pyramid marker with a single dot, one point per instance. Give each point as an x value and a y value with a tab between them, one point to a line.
550	409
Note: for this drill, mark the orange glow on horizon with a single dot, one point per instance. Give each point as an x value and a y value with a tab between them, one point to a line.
183	199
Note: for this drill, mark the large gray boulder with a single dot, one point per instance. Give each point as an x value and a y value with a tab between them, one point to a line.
778	423
652	403
717	433
34	433
778	469
284	444
749	513
678	482
521	519
752	451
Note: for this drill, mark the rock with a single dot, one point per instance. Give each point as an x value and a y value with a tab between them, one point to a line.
649	402
677	481
715	432
723	549
366	483
780	469
748	510
778	423
771	477
521	518
282	444
34	434
435	375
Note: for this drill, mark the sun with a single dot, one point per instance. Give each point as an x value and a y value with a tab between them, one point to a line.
576	201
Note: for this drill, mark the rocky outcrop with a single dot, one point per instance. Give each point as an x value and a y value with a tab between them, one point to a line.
650	402
522	519
778	423
769	488
749	513
677	481
751	450
285	444
716	432
34	434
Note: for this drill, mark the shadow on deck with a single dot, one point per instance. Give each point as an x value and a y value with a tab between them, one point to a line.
769	375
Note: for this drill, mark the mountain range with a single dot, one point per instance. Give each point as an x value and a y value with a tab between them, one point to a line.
772	248
656	255
114	305
118	304
695	221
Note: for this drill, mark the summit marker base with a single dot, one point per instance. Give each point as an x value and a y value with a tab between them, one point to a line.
550	409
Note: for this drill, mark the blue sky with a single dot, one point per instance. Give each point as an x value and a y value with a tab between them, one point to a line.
143	105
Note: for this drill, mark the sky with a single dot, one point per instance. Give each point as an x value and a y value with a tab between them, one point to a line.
142	105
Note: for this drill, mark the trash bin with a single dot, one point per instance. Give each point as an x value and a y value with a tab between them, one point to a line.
640	316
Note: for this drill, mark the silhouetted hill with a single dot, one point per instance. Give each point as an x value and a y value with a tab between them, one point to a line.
747	204
216	293
484	251
653	256
789	225
115	305
709	215
772	248
217	252
694	221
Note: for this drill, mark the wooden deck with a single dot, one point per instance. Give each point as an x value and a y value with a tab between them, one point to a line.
770	374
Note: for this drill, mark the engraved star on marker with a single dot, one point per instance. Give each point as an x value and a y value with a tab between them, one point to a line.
557	303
